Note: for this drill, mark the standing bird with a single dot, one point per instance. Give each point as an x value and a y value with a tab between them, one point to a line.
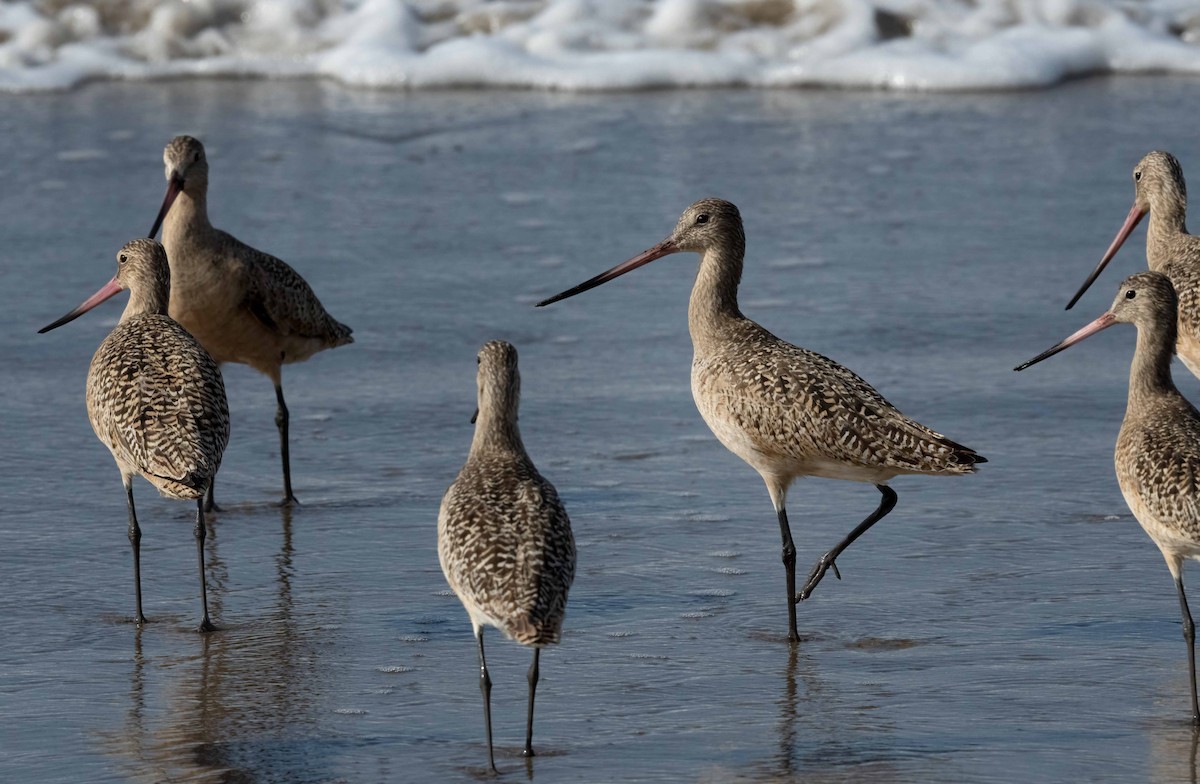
1158	448
786	411
242	304
1159	189
504	539
155	398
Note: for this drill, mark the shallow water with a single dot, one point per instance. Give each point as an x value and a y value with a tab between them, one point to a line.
1014	625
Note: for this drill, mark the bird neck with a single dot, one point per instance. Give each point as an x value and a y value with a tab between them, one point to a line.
496	431
147	300
1167	221
1150	373
189	213
714	296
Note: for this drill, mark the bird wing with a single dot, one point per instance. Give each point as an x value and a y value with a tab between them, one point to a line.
279	297
1164	458
786	398
514	553
157	400
1184	272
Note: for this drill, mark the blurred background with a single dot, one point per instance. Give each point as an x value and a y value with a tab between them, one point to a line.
924	184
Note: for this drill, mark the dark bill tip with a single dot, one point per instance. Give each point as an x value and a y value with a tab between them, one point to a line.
664	248
1136	214
174	188
1104	322
107	290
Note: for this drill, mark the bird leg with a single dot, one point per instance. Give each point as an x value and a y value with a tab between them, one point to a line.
827	561
206	625
485	686
533	681
789	565
135	541
1189	634
281	422
210	503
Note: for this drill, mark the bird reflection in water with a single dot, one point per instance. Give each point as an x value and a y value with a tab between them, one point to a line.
237	705
1174	752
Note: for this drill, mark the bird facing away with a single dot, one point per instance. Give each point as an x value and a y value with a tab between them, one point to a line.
786	411
1158	449
155	398
504	539
1159	189
243	305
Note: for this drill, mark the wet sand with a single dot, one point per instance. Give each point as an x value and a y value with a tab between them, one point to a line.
1015	625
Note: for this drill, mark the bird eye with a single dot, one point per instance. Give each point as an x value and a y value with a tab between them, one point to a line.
196	157
122	258
702	218
1137	176
1130	294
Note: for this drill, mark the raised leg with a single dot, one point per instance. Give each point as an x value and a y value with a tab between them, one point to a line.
485	686
828	560
135	541
789	565
281	422
533	681
1189	634
199	532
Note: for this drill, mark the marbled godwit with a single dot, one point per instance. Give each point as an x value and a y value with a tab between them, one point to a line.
786	411
504	540
155	397
243	305
1158	448
1159	189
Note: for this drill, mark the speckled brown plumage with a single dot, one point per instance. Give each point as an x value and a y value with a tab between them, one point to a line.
791	412
504	539
1160	191
1158	448
155	397
243	305
786	411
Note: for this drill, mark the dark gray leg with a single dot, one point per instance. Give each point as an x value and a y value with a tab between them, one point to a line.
533	681
1189	634
210	503
789	565
827	561
135	541
281	421
199	532
485	686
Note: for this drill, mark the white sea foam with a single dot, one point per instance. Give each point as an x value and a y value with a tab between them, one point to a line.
598	44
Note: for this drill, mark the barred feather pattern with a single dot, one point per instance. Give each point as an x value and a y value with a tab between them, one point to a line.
504	539
1158	459
785	410
243	305
155	397
1157	455
1159	187
791	411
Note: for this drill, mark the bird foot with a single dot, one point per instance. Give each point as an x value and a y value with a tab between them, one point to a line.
206	626
139	621
290	501
528	752
826	563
